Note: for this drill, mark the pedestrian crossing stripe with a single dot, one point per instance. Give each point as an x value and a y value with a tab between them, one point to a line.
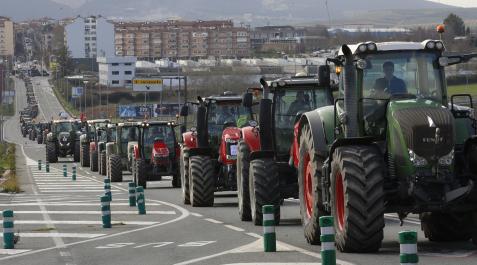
79	222
69	204
59	235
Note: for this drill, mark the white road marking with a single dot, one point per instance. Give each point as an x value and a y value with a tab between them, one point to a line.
254	235
196	214
68	188
94	212
65	254
77	191
116	245
238	229
274	263
196	244
12	251
213	221
77	222
71	204
59	235
154	245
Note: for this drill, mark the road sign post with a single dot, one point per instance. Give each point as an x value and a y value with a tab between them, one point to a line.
107	188
73	174
269	236
39	164
132	194
65	172
327	238
8	234
47	167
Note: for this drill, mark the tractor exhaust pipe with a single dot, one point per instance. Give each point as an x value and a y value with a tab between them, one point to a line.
350	117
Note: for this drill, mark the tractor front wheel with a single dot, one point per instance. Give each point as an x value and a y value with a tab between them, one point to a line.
51	154
93	161
357	198
116	169
202	181
84	155
184	171
243	193
102	163
264	188
442	227
140	173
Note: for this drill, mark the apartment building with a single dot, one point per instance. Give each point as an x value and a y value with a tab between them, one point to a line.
90	37
7	40
116	71
181	39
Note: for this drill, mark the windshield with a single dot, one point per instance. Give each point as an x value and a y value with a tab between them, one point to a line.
227	112
162	132
402	74
64	127
288	103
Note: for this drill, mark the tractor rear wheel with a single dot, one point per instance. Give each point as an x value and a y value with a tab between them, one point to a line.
93	161
176	178
243	165
102	163
140	173
264	188
84	155
202	181
357	198
184	171
77	151
51	155
116	169
441	227
309	180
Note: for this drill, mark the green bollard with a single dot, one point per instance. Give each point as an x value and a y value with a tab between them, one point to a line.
132	194
39	164
8	234
73	174
141	200
408	248
106	211
269	236
327	238
107	188
47	167
65	172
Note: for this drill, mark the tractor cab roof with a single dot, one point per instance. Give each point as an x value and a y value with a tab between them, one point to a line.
298	81
226	96
65	121
372	47
129	124
98	121
161	123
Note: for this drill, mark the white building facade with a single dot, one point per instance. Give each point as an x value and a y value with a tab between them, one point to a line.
90	37
116	71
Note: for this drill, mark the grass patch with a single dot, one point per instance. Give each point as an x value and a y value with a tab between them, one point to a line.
9	182
462	89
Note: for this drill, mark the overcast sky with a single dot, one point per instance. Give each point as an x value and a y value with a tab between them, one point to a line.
462	3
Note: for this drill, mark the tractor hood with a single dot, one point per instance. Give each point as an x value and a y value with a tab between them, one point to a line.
426	127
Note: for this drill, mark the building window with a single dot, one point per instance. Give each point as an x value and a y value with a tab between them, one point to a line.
128	64
128	72
115	72
115	82
128	81
114	64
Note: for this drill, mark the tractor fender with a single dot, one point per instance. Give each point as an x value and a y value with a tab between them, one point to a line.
110	149
101	146
230	134
313	119
92	146
131	151
251	137
136	154
49	137
189	140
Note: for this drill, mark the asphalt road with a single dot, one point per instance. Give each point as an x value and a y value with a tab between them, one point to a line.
58	221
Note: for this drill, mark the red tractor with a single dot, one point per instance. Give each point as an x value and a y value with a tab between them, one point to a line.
155	154
209	151
267	154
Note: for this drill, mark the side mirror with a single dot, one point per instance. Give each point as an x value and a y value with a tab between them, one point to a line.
184	111
247	100
324	75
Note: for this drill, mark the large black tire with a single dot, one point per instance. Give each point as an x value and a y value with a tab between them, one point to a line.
184	171
176	179
264	188
76	152
357	198
309	186
84	155
51	155
102	163
243	165
39	139
444	227
140	173
202	181
116	169
93	161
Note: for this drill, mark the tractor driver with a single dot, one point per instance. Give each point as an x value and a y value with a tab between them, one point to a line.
390	84
226	115
300	104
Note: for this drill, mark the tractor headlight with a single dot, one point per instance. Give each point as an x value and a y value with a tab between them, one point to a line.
439	45
362	48
447	159
430	45
372	47
416	160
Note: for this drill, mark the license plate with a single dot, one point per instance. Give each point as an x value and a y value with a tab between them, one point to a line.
233	150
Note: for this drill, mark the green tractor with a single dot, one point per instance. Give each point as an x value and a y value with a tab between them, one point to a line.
117	158
391	143
63	140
